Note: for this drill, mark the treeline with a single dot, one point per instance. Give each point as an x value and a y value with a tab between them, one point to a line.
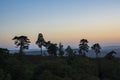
52	48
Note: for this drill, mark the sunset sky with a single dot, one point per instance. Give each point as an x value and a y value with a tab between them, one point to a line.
65	21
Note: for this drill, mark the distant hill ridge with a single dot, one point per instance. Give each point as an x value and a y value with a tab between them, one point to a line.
91	53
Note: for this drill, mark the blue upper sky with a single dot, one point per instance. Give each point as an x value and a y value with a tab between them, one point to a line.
65	21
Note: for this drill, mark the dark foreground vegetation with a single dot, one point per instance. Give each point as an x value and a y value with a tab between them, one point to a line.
57	65
30	67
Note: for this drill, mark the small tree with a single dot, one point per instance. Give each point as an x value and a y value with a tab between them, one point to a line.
22	42
4	51
70	54
40	41
83	47
110	55
51	48
96	47
70	51
4	54
61	50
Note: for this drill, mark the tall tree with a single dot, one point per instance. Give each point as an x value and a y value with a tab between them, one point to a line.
83	47
40	41
61	50
96	47
22	42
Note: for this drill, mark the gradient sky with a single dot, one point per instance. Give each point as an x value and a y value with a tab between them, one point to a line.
65	21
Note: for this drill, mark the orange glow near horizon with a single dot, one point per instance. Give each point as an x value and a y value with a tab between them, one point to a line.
70	38
68	22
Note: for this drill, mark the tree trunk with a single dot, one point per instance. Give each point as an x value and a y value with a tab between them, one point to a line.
21	50
96	55
41	50
84	54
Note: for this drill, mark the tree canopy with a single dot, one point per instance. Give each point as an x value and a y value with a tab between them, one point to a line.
22	42
96	47
83	47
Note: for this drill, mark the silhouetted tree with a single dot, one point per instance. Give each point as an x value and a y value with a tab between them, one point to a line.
22	42
110	55
3	55
70	52
40	41
51	48
83	47
61	50
4	51
96	47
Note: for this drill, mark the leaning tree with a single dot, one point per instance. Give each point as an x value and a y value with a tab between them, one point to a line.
96	47
83	47
40	41
22	42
